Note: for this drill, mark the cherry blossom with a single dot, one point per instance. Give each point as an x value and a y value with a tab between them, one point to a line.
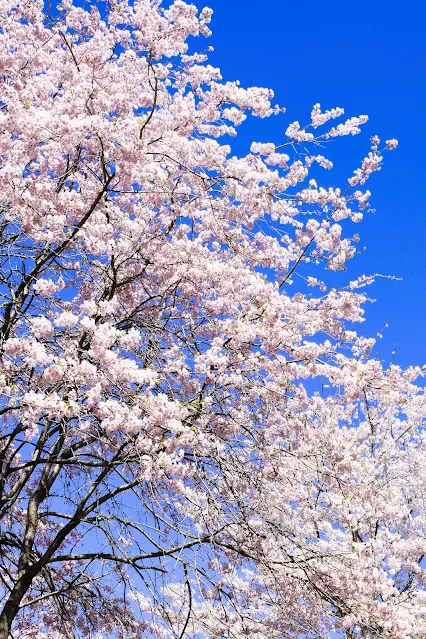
195	439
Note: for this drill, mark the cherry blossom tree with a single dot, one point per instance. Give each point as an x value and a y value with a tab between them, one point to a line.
195	441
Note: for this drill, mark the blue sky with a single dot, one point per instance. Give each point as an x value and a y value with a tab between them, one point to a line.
367	57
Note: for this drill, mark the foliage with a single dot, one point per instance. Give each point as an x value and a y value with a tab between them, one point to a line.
191	445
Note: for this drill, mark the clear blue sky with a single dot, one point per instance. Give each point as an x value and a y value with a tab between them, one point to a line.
368	57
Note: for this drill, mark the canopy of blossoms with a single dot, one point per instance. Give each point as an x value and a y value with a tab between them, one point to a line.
195	442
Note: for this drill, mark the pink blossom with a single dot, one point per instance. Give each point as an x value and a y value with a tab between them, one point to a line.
52	374
392	144
42	328
46	287
67	320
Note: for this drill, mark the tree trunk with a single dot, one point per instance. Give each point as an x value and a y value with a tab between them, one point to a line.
11	607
